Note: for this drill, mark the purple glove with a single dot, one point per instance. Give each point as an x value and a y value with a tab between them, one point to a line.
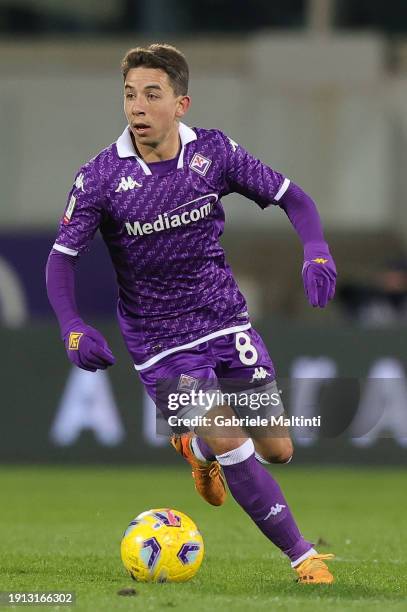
86	347
318	274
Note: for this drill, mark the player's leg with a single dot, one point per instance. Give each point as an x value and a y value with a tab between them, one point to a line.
252	486
246	366
272	443
179	373
207	475
254	489
274	447
260	496
272	450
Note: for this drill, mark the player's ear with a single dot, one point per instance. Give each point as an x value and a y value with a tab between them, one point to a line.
183	104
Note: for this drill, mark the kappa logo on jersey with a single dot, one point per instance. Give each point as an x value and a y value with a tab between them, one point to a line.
242	315
274	510
259	374
200	164
187	383
79	182
126	184
168	221
69	210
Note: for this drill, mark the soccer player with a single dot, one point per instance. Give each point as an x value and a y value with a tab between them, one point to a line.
155	195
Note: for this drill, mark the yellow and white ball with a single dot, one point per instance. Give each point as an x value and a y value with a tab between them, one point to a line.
162	545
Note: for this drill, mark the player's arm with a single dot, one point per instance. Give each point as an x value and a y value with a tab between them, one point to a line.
85	346
318	270
250	177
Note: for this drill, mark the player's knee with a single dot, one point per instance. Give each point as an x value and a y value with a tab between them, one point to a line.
283	454
220	446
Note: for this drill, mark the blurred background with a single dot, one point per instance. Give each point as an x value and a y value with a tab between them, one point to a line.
315	88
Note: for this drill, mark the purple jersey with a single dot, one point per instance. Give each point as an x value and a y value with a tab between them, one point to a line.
161	223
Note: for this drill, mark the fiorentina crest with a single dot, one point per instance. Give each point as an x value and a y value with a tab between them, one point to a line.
200	164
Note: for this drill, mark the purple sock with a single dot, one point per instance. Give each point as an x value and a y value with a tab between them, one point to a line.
201	450
256	491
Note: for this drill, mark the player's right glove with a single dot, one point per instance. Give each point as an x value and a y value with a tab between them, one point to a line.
87	348
318	274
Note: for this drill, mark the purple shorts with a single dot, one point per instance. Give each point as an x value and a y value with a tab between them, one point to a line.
236	364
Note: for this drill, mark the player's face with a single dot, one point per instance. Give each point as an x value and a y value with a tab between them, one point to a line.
151	106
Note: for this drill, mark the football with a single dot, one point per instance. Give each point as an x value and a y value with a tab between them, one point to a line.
162	545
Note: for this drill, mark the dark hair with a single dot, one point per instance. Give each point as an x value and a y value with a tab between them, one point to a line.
165	57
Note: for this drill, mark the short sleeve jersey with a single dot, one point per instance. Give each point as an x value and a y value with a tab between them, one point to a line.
161	223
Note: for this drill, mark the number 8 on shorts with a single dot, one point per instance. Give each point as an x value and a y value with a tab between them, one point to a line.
247	352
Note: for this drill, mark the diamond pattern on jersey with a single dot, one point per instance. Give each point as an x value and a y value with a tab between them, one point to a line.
163	232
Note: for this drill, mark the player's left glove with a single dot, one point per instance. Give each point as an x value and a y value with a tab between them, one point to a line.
318	274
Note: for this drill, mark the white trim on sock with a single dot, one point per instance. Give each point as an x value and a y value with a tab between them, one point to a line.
197	451
261	459
237	455
310	553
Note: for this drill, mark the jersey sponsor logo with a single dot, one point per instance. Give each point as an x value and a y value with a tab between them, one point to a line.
74	338
259	374
69	210
126	183
274	510
79	182
200	164
168	221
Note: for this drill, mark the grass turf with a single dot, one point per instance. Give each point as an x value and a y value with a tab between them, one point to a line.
61	527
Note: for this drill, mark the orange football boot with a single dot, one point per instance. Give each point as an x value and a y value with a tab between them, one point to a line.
314	571
208	477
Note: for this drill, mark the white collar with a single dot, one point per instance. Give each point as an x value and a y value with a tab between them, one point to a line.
125	147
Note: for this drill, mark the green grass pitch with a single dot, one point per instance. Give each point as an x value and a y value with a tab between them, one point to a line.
61	528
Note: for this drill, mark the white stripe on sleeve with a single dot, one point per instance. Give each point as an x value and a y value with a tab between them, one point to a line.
63	249
282	190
